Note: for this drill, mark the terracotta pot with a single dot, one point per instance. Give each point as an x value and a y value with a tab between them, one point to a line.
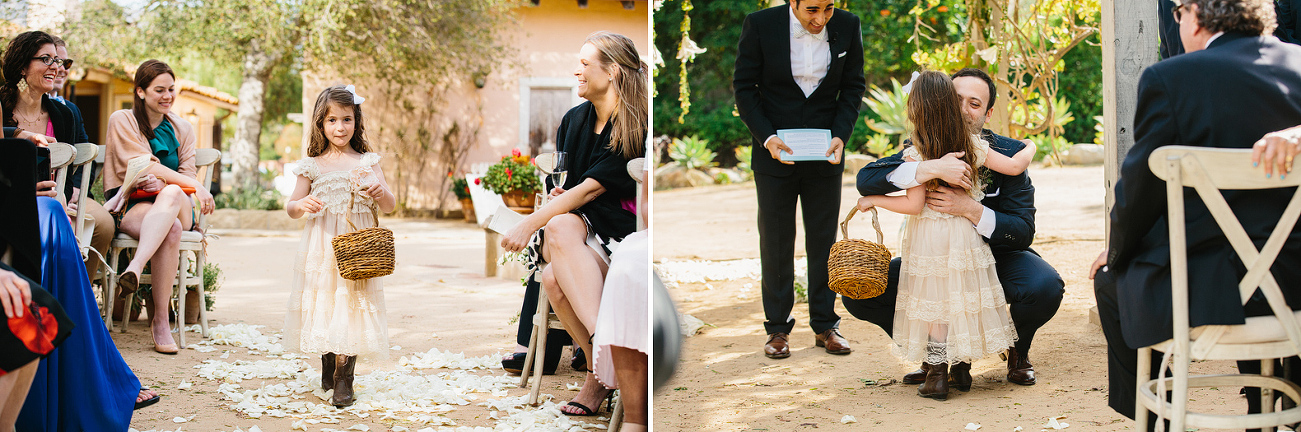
517	198
467	209
119	306
192	305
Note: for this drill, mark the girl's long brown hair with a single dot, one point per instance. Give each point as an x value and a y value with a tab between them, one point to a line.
337	95
631	82
938	126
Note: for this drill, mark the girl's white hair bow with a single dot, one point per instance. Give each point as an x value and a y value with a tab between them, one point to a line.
907	88
357	100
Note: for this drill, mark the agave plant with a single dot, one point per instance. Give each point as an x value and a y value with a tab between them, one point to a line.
880	145
743	155
692	153
1097	130
892	107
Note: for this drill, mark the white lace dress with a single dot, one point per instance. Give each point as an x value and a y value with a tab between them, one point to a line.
327	313
950	306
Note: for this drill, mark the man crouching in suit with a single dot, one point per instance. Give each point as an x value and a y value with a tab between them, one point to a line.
1234	85
798	67
1005	218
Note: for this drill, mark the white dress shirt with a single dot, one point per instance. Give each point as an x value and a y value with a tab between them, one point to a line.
810	58
905	176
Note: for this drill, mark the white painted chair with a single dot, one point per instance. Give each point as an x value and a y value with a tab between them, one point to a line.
61	157
1262	338
543	319
83	225
189	271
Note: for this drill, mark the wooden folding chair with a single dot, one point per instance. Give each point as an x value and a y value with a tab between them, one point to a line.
189	271
1264	338
61	157
83	225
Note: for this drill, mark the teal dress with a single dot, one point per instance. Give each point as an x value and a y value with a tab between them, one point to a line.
164	145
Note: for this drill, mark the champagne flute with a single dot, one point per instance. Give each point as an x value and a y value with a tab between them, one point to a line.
558	169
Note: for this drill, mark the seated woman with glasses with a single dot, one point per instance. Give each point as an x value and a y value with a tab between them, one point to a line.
84	384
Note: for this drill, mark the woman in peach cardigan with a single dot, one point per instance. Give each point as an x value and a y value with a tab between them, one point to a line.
151	130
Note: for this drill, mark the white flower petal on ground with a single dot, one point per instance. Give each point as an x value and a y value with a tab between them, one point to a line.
254	428
179	419
1056	425
574	386
396	348
972	426
184	385
1018	429
847	419
359	427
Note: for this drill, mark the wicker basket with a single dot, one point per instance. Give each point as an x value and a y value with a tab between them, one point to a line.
365	253
859	269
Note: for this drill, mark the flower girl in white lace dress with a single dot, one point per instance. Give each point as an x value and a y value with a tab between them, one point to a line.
328	315
950	306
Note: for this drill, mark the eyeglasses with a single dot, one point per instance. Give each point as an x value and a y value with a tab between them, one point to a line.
1177	11
47	60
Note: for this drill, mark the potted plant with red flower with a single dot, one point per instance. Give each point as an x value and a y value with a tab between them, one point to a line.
461	188
514	179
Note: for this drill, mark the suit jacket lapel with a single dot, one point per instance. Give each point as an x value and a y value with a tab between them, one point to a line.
836	45
783	51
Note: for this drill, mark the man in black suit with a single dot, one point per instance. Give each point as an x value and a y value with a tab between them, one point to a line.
1005	218
1231	87
798	67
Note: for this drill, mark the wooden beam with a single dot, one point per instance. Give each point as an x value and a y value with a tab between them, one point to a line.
1130	39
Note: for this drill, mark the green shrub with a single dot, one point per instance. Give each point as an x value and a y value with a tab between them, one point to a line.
252	196
743	157
1050	146
211	282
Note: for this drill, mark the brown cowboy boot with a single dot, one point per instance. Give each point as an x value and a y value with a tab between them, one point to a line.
344	365
1019	369
937	382
918	376
960	376
327	371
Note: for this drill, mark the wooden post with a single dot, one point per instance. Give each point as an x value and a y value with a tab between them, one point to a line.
492	242
1130	37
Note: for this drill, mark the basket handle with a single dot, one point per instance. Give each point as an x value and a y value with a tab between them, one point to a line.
844	226
352	202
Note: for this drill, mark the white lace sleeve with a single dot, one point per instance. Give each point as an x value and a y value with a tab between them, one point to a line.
369	159
307	168
982	149
911	152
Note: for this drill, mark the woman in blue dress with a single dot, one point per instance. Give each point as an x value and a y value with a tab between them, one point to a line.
84	384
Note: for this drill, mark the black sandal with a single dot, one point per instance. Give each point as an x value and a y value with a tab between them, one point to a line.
588	412
147	402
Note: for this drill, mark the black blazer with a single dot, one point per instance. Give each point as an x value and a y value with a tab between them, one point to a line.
768	98
1010	197
1228	96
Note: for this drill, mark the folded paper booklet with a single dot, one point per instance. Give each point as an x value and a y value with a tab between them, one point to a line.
807	144
503	220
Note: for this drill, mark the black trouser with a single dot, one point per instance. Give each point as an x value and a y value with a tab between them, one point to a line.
1122	361
1033	290
554	337
819	200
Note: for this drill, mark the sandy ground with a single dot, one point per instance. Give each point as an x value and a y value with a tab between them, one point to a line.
725	383
437	298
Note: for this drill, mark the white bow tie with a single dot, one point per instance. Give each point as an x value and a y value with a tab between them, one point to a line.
801	32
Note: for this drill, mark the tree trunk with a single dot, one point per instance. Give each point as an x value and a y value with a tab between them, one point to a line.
258	64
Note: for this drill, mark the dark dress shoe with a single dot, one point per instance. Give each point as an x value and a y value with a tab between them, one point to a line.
1019	369
960	376
833	341
918	376
937	383
777	346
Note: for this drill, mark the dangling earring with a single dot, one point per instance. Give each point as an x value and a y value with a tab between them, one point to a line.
22	84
